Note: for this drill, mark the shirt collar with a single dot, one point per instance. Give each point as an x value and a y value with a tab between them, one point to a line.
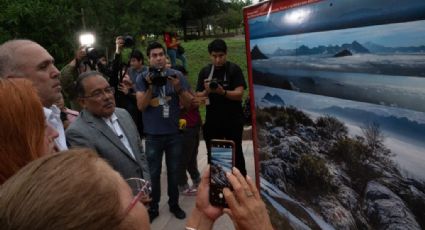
53	110
112	118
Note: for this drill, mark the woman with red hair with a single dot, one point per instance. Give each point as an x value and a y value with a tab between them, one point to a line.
24	132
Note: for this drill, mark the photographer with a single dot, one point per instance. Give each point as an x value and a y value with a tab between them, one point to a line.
223	84
86	59
160	92
124	95
69	75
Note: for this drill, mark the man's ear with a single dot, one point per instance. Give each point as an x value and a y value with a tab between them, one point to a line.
82	102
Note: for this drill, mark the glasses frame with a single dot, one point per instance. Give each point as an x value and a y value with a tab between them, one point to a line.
145	190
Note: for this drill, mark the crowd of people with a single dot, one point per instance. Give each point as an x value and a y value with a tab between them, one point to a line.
67	168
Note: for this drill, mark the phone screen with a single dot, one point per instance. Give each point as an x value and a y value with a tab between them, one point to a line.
221	162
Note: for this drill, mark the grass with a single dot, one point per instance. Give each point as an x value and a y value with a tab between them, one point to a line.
197	56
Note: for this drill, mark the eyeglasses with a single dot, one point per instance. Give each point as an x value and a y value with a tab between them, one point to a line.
97	94
141	188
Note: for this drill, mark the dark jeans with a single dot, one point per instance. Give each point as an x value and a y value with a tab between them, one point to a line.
190	153
230	130
156	145
173	54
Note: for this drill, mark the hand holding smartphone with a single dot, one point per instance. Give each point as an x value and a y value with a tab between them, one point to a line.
222	161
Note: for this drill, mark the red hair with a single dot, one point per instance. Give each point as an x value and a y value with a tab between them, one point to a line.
22	126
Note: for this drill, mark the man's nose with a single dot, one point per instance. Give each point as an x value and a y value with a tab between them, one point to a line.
55	72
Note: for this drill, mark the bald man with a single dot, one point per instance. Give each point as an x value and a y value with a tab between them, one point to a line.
27	59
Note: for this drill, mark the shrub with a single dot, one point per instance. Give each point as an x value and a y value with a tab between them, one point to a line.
262	116
331	128
313	173
299	116
355	154
350	151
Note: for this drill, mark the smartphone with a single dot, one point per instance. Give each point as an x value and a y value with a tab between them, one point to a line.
221	161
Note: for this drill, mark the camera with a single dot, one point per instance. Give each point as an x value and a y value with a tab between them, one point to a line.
91	57
157	76
214	83
128	41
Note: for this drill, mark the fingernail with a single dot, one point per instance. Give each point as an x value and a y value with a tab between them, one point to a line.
228	174
235	170
248	177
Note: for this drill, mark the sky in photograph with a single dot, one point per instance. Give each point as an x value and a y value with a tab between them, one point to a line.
391	35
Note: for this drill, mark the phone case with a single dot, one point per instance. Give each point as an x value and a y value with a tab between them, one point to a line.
220	162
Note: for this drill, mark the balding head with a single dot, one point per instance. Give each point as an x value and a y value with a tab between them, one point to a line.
27	59
8	61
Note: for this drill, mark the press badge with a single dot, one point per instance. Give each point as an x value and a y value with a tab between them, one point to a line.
161	101
166	111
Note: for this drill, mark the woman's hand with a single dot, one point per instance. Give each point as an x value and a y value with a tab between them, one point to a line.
202	199
246	208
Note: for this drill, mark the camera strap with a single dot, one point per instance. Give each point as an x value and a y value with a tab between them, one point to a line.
162	96
212	73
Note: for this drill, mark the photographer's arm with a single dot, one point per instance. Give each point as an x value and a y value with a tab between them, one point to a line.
186	99
144	98
235	95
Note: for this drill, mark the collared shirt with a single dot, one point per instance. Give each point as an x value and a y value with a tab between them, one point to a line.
52	116
112	122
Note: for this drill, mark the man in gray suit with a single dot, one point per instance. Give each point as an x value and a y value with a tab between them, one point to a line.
107	129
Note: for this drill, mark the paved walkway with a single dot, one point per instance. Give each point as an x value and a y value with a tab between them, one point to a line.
166	220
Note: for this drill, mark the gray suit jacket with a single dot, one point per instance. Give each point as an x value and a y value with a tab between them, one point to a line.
92	132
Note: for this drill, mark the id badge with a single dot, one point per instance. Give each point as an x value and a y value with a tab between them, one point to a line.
161	101
207	101
166	111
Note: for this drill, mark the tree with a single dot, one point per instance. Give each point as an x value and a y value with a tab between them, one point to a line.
39	21
199	10
56	24
110	18
374	140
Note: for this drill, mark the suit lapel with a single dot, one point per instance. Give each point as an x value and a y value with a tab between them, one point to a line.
102	127
131	136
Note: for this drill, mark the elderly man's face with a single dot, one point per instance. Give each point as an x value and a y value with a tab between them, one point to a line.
37	65
99	96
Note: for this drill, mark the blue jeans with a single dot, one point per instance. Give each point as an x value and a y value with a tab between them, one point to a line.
173	54
156	145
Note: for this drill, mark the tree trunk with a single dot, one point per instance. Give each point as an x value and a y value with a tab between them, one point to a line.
203	29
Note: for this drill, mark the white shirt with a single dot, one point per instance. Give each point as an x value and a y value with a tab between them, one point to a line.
53	117
112	122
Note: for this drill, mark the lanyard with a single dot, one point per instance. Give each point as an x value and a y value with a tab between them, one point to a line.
212	73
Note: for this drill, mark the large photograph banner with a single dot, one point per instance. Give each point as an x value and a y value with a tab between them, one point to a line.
338	91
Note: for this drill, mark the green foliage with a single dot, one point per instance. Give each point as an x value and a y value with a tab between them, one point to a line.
299	116
356	156
262	117
313	173
350	151
331	128
230	19
50	23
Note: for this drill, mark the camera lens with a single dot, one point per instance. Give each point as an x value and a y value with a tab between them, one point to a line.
128	41
213	85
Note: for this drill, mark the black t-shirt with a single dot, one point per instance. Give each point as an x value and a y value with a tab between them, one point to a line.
222	109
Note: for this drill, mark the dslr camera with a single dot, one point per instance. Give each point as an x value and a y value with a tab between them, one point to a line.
159	77
128	41
91	57
214	83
